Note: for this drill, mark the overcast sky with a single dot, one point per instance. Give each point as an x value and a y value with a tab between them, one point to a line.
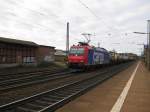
44	22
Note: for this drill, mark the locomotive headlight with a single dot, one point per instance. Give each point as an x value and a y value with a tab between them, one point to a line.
81	61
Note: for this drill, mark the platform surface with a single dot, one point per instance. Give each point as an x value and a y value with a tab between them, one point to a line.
105	97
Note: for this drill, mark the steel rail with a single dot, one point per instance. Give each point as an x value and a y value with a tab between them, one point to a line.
20	72
20	82
16	75
53	99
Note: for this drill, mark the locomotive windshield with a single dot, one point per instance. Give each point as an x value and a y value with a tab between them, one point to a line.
77	51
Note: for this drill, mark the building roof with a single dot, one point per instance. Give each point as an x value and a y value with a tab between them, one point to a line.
16	41
46	46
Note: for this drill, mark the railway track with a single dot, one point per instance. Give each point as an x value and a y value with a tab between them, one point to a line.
53	99
4	77
34	78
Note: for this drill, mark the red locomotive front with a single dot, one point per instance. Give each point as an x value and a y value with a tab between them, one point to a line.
78	56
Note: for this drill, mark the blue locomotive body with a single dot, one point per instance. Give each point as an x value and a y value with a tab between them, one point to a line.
99	56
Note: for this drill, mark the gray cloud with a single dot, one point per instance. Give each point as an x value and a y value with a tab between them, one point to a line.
44	21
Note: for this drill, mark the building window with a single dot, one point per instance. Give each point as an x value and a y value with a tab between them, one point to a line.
28	59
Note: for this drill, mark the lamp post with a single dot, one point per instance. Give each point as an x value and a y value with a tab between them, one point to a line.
148	36
67	39
148	42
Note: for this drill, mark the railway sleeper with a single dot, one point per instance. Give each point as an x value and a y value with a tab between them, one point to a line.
22	109
64	93
35	105
43	102
49	99
57	98
68	92
29	106
58	94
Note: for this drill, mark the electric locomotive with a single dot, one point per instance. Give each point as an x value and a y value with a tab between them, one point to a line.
84	55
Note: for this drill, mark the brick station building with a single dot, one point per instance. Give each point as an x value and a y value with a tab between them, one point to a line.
15	52
45	54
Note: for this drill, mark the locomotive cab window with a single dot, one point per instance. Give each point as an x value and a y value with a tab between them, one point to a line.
76	51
